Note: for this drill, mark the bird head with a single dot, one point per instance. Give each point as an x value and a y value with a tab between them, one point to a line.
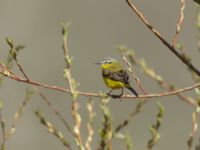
109	63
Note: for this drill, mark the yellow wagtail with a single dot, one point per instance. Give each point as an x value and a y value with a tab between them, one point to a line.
115	77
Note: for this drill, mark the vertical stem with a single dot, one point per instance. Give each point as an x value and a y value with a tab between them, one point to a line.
72	88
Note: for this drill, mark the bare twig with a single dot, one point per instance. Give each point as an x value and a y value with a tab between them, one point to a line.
130	69
52	129
90	124
157	34
151	73
131	115
165	85
19	113
22	70
56	112
180	21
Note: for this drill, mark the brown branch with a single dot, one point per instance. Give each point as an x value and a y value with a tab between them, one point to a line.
21	70
7	73
180	21
157	34
89	94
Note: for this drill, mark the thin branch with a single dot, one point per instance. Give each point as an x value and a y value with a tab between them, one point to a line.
157	34
56	112
51	129
131	115
7	73
19	113
22	70
152	74
89	94
130	69
180	21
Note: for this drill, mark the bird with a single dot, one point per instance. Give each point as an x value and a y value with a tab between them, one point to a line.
115	77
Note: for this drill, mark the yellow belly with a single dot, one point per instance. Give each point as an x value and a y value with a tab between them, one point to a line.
113	84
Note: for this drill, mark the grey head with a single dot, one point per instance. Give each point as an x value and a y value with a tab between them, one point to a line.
107	60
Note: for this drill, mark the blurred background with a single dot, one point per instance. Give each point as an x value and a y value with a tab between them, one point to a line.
97	28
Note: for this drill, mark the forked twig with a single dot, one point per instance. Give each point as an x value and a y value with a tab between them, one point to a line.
157	34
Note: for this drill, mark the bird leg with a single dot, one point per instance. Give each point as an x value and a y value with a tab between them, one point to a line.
109	92
116	96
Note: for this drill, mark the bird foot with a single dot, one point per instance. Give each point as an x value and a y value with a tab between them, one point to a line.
114	96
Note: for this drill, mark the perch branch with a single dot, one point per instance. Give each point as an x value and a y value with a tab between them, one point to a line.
9	74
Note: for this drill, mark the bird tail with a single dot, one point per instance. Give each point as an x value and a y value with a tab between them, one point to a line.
132	90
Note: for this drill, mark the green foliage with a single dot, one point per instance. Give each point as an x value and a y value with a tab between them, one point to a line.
65	32
14	50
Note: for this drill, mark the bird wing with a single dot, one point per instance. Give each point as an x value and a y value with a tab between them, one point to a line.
120	75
